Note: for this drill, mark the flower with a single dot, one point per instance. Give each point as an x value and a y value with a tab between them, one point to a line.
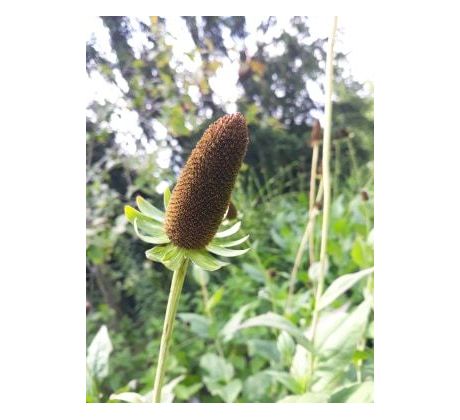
198	203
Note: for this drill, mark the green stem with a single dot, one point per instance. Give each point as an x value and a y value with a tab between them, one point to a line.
314	164
354	163
171	309
308	233
326	186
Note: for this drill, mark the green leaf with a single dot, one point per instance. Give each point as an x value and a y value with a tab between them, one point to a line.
131	213
166	197
264	348
167	392
96	254
201	276
157	253
217	367
169	255
256	387
97	359
229	392
358	393
337	346
184	392
92	393
199	324
287	380
229	243
230	231
224	252
310	397
342	341
341	285
129	397
215	299
157	235
174	263
232	325
273	320
362	253
204	260
286	347
300	368
149	209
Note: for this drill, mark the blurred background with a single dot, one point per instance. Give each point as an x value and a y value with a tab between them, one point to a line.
153	85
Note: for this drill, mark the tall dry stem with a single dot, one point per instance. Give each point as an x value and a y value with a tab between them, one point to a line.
308	233
326	185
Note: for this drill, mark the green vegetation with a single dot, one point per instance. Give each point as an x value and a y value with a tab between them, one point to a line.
239	336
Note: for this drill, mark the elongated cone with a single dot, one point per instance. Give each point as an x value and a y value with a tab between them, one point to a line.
315	133
202	193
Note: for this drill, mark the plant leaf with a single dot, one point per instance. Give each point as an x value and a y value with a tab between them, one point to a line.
230	231
341	285
129	397
174	262
157	235
358	393
286	347
131	213
167	392
205	260
157	252
231	327
97	359
149	209
230	391
215	299
337	346
300	367
231	243
166	197
273	320
217	367
169	255
287	380
224	252
200	275
199	324
310	397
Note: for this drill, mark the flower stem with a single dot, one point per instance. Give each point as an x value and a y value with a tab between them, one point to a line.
326	185
314	164
171	309
308	232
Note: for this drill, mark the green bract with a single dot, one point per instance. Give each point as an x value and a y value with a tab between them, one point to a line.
148	224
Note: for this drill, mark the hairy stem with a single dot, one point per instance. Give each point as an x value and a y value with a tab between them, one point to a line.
171	309
327	185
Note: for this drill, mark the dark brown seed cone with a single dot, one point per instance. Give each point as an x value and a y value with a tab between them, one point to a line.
232	211
202	193
315	133
364	195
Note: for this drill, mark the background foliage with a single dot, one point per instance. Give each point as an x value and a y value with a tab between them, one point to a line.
234	340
